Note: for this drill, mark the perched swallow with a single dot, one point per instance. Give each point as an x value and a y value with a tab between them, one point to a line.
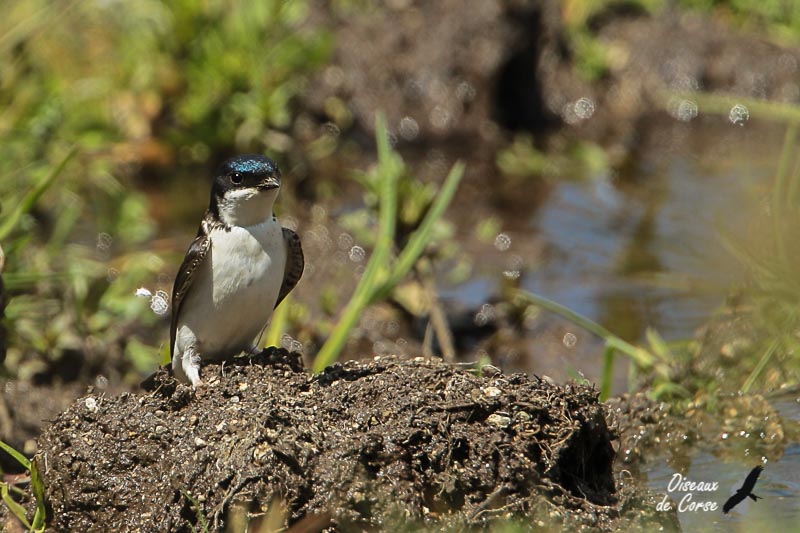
745	490
241	265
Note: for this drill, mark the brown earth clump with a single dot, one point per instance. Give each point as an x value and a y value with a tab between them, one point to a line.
362	446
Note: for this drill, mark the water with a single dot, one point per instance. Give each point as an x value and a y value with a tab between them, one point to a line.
643	246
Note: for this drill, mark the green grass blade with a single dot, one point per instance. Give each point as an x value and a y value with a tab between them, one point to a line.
390	172
658	346
633	377
201	520
607	380
662	390
27	28
789	142
21	459
390	168
641	357
721	104
166	356
779	191
37	485
421	237
760	267
277	325
794	183
15	508
576	376
29	202
762	363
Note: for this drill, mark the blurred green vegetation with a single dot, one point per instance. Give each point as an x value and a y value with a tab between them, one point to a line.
652	367
576	159
591	56
402	201
37	524
779	19
771	253
776	19
125	86
111	90
760	352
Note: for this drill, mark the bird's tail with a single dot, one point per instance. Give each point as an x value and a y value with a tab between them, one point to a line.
754	497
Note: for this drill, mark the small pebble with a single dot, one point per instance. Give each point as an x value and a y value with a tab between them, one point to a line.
498	420
260	453
492	392
91	404
522	416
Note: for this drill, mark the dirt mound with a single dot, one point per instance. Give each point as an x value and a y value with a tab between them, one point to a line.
362	446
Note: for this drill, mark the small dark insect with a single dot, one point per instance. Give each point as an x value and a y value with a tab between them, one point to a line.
744	491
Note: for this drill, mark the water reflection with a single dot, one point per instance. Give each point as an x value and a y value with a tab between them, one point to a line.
641	247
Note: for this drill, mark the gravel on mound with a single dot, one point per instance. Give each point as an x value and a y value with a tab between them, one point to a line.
364	445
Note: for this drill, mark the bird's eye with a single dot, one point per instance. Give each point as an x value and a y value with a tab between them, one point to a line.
236	178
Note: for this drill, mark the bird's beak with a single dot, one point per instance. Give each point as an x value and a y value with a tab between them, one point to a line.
271	182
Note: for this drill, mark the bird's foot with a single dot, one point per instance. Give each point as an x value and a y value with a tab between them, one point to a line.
191	367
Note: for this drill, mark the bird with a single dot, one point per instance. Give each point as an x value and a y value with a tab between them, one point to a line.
240	266
745	490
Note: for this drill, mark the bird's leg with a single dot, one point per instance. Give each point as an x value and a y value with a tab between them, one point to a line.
190	361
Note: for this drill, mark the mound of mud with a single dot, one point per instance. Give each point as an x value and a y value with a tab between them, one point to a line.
364	445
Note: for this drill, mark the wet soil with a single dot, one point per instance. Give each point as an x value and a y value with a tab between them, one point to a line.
362	446
25	408
729	426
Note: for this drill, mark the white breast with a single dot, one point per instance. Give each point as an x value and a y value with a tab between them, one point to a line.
247	266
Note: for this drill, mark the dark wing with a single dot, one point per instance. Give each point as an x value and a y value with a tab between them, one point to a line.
294	264
743	491
183	281
733	501
750	483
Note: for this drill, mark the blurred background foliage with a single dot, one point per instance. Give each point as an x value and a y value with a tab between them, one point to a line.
101	102
125	85
779	20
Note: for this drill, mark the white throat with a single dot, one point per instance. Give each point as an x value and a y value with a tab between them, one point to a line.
246	207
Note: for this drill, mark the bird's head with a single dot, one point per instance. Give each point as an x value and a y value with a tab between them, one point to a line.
245	189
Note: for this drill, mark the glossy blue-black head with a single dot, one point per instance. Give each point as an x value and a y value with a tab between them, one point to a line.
245	188
255	164
250	171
